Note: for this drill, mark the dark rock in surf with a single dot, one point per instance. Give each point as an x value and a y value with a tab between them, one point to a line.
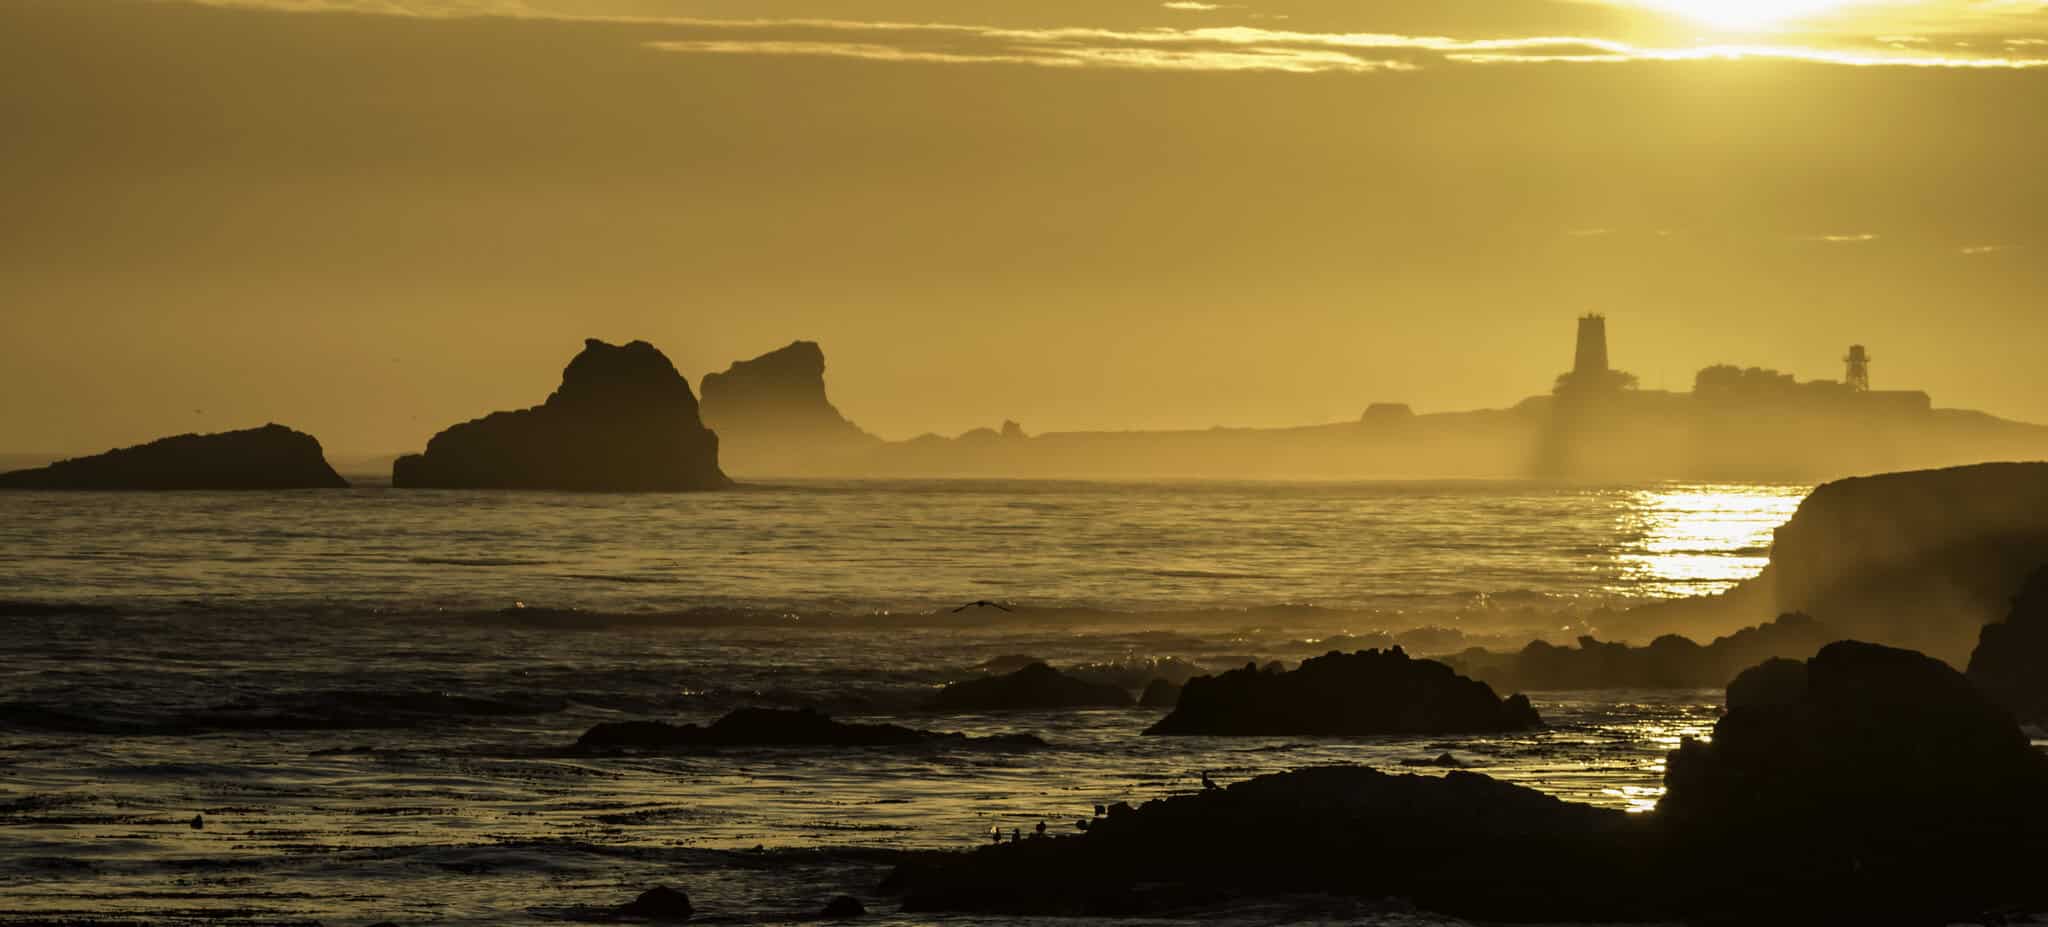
2010	663
1669	662
1338	694
1037	686
1462	844
623	420
1440	761
660	903
771	727
1880	787
844	907
1160	693
270	457
772	411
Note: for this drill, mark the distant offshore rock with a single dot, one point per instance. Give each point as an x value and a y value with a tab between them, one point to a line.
270	457
2010	663
772	727
1035	687
774	406
1669	662
623	420
1338	694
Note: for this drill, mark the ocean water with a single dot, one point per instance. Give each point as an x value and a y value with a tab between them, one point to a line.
368	694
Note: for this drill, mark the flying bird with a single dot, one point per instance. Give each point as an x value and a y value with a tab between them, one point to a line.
984	603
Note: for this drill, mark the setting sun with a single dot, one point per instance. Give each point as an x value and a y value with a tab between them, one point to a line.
1746	14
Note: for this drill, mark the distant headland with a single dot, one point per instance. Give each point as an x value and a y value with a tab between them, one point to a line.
624	419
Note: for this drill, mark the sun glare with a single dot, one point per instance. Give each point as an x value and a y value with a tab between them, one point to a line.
1745	14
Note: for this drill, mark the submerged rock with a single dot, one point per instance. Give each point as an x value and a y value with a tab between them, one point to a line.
623	420
270	457
772	727
1463	844
660	903
1037	686
2010	663
1867	783
1339	694
842	907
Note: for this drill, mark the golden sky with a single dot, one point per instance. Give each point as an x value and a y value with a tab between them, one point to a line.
373	218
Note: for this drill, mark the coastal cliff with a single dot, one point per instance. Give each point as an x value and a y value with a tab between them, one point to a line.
623	420
270	457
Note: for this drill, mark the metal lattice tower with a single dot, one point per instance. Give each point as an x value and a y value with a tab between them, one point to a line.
1858	377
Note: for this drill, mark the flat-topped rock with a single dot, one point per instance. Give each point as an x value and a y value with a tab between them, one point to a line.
1365	693
270	457
774	406
623	420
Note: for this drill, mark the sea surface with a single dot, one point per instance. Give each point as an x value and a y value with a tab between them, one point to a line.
368	695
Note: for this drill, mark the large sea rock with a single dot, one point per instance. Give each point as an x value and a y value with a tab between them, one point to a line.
773	414
270	457
623	420
1866	785
1034	687
773	727
1919	559
1339	694
2010	663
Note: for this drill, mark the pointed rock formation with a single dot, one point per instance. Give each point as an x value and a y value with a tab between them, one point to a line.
774	406
2010	655
270	457
623	420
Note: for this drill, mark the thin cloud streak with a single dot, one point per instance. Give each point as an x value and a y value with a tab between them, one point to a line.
1215	48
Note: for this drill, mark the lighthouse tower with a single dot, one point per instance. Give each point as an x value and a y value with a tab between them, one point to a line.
1858	377
1590	366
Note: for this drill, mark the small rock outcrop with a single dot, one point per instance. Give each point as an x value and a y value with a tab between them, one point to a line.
1339	694
1669	662
1037	686
1460	844
660	903
773	727
270	457
623	420
1865	785
774	406
843	907
2010	663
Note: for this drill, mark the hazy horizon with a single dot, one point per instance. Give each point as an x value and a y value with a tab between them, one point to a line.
370	225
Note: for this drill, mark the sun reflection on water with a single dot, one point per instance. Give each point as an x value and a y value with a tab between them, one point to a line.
1697	540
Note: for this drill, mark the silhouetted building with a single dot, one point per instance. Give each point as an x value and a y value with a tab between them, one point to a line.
1591	362
1858	377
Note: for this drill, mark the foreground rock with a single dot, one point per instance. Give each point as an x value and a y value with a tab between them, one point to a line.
1365	693
2010	663
770	727
773	414
1463	844
1921	559
1035	687
270	457
1866	785
623	420
1669	662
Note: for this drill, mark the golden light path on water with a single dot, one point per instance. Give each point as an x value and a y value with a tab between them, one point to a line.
1688	539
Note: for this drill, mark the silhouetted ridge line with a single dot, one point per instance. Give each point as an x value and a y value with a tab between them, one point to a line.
270	457
623	420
